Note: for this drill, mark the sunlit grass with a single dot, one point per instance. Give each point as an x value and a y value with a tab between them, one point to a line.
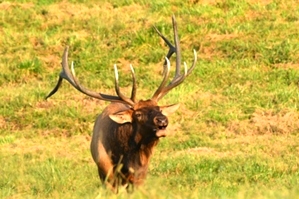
234	136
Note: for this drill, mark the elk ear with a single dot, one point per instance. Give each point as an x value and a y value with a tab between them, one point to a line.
122	117
167	110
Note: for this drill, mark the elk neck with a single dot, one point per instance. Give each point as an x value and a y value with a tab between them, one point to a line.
144	144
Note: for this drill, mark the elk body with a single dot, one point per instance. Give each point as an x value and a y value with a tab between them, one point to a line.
126	132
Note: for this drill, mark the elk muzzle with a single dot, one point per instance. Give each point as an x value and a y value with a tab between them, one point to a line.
161	123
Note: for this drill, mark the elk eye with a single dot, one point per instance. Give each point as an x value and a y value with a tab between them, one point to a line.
138	115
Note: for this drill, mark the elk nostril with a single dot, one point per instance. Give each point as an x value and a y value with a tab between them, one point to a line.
162	127
161	122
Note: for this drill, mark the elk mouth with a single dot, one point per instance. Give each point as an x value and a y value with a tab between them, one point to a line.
161	131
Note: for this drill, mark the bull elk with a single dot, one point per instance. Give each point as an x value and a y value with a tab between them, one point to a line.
126	132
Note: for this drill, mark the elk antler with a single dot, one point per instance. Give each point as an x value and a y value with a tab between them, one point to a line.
178	78
69	75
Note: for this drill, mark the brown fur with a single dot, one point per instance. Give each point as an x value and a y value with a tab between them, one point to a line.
129	145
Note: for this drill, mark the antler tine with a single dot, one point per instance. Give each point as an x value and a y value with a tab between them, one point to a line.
64	74
178	78
177	47
193	64
162	85
181	78
134	87
71	78
124	98
55	89
176	82
171	47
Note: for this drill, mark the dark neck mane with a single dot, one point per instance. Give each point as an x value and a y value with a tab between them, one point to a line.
143	146
136	152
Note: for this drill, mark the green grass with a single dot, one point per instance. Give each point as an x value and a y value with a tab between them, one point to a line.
234	136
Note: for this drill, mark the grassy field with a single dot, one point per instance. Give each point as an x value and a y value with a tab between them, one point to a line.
234	136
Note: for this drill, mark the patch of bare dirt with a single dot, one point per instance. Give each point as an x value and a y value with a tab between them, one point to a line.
251	15
204	2
216	37
287	66
3	123
207	98
260	2
209	47
124	64
270	122
267	121
56	13
7	5
51	60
